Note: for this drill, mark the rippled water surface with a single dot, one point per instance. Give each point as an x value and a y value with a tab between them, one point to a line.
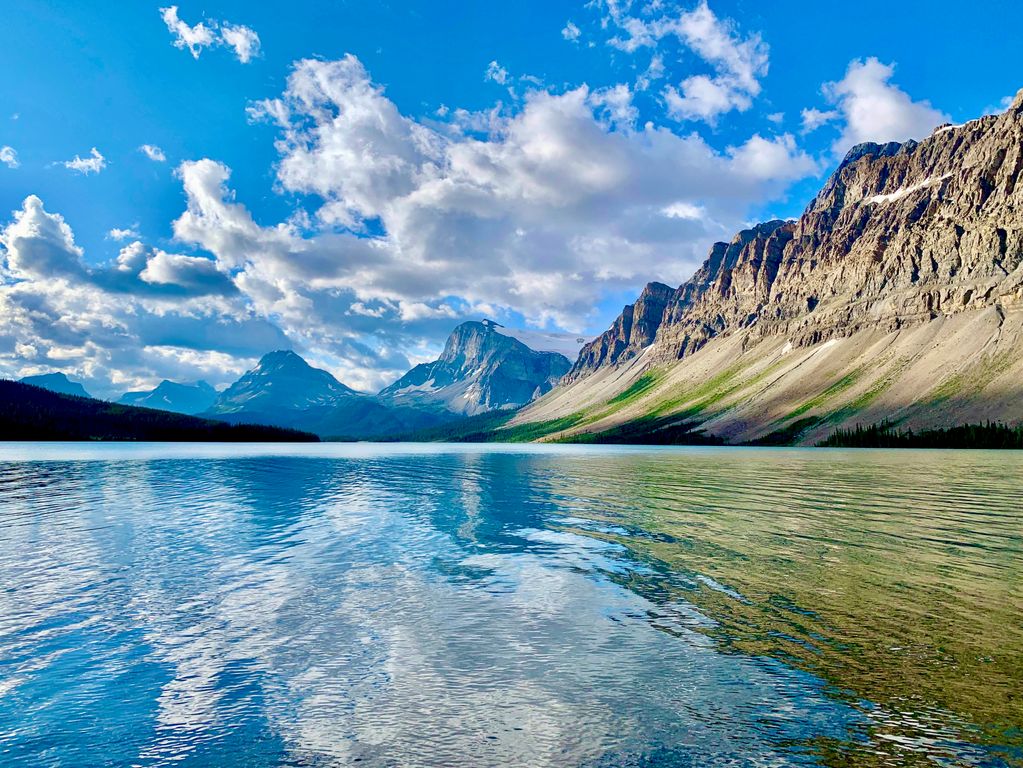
538	606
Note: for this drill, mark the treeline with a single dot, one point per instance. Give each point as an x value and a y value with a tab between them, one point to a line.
988	435
32	413
472	429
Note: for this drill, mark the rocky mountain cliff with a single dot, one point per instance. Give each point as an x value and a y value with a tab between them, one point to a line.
631	333
479	370
912	250
174	397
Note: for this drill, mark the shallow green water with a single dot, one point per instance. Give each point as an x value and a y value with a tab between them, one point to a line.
487	605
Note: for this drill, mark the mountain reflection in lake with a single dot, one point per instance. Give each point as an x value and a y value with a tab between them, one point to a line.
478	605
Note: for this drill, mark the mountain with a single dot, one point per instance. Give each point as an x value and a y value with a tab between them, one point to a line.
56	382
480	370
281	381
284	390
174	397
28	412
631	333
896	297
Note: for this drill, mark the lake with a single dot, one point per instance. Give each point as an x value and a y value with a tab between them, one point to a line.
440	605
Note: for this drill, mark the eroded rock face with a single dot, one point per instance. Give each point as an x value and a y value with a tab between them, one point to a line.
901	234
633	331
479	370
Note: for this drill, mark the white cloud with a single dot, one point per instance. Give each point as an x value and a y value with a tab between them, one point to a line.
9	157
874	109
94	163
194	38
738	62
496	73
776	117
153	152
128	233
243	40
208	34
39	244
117	322
537	218
571	32
774	159
814	118
684	210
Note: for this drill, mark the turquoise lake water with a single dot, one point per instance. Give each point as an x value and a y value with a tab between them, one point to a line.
393	605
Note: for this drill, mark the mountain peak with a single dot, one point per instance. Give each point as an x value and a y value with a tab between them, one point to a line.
281	357
173	396
57	381
480	369
281	380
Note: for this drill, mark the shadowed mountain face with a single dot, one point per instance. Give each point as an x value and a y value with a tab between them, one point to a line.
174	397
897	296
284	390
281	381
479	370
56	382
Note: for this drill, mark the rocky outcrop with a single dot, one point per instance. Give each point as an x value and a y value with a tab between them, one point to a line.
633	331
479	370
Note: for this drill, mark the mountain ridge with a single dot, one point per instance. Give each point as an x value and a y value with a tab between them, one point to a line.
58	382
897	293
173	396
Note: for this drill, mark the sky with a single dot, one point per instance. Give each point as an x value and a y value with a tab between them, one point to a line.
184	188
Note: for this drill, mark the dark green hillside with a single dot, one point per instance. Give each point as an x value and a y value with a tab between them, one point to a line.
33	413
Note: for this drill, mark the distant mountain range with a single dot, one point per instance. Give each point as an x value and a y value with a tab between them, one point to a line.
28	412
284	390
174	397
480	370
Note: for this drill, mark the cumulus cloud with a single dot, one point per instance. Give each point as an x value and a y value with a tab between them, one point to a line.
118	322
814	118
128	233
737	61
561	200
875	109
153	152
571	32
9	157
94	163
207	34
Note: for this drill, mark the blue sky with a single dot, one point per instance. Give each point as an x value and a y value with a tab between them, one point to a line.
351	179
